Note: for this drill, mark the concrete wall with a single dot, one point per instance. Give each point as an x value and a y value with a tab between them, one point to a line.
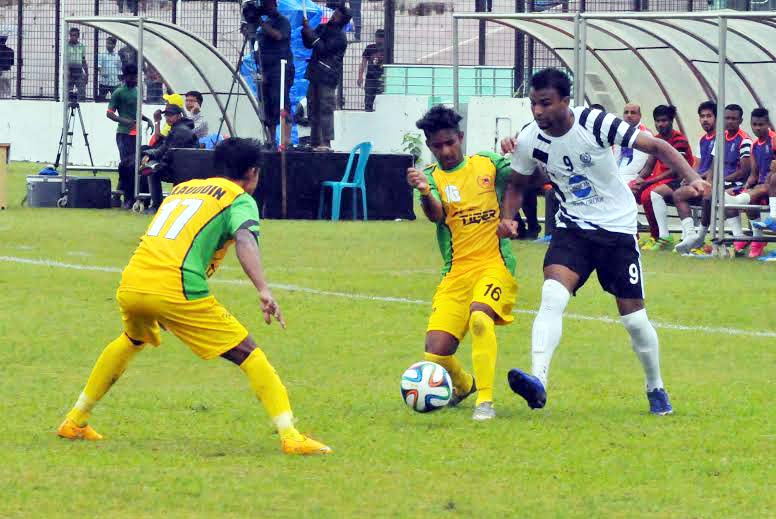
33	127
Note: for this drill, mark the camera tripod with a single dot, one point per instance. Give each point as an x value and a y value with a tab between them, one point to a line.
66	139
249	31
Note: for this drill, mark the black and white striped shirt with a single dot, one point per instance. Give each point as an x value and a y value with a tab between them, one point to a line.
582	169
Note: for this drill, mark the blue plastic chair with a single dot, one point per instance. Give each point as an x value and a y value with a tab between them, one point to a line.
358	183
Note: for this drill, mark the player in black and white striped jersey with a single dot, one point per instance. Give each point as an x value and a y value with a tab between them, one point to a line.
596	224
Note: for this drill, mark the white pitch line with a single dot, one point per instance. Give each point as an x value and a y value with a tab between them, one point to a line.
402	300
460	44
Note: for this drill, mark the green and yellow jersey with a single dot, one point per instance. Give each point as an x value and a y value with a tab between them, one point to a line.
189	237
470	194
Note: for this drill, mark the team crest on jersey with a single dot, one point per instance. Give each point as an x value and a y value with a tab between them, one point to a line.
485	182
586	159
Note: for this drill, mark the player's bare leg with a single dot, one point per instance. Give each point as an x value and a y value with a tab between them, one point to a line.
482	325
559	283
644	340
440	348
273	395
110	365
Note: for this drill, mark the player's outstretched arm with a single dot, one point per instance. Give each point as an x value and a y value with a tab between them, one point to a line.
510	205
671	158
431	205
250	258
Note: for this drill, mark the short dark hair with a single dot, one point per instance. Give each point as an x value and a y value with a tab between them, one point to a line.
380	33
439	117
760	112
111	38
74	29
234	156
664	111
552	78
736	108
708	105
196	95
596	106
130	69
346	13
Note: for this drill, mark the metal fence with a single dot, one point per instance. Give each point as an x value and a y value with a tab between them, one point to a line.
417	33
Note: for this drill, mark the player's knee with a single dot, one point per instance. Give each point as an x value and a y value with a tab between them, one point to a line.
555	297
480	323
240	353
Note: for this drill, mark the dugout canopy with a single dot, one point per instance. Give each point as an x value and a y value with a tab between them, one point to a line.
187	62
660	58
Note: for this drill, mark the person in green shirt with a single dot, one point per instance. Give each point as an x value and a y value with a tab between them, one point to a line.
122	109
77	69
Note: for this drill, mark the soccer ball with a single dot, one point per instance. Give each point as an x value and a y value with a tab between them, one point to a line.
426	386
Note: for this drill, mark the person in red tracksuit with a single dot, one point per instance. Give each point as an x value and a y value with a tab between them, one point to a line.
656	183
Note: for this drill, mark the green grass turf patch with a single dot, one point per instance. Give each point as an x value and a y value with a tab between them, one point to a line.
187	438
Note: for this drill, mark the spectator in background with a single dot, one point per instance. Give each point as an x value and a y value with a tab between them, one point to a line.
275	44
324	71
657	182
131	6
193	111
372	61
6	62
154	85
181	136
78	70
631	161
108	69
128	55
355	9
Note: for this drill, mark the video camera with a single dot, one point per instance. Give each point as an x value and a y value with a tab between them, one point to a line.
252	11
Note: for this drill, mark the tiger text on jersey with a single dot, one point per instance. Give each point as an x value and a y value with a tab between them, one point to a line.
583	171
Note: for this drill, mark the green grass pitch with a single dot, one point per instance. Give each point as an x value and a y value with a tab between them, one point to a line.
187	438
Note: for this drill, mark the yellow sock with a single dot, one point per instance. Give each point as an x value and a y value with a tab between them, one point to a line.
111	364
484	348
462	381
268	387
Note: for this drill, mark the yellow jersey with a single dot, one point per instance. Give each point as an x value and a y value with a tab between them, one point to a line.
470	194
189	237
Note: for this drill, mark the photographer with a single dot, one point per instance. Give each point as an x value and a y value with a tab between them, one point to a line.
156	161
275	44
324	71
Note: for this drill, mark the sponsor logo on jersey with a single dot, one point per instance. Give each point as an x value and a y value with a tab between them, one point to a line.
580	186
469	217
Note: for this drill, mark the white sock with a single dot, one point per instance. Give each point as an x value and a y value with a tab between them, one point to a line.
734	224
756	231
702	232
547	327
659	208
644	340
772	204
688	227
741	198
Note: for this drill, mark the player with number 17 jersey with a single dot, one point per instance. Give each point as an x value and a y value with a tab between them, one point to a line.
189	237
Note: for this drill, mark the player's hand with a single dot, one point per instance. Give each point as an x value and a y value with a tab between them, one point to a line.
157	116
701	187
417	179
507	229
270	308
508	145
360	82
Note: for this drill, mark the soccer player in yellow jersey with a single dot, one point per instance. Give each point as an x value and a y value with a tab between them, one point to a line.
165	285
462	195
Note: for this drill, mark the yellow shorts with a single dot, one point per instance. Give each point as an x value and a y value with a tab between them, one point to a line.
202	324
492	285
